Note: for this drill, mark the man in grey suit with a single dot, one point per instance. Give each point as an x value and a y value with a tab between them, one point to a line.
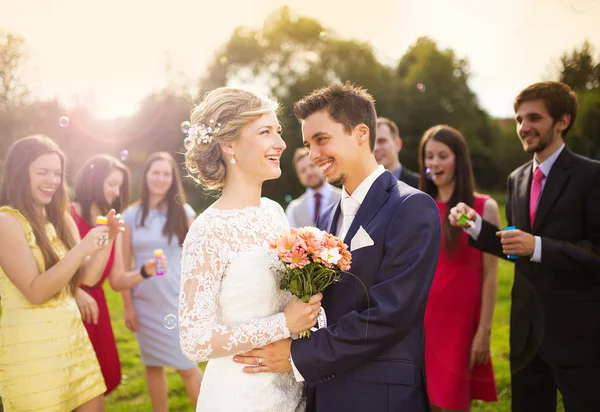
387	148
319	194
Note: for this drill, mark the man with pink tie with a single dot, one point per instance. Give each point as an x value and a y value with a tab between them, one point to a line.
554	203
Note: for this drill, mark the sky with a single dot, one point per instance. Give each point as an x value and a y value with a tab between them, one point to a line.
116	50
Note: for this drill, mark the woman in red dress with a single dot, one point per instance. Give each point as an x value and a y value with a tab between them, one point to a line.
460	307
103	184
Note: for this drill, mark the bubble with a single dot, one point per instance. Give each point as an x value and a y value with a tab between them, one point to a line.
223	60
124	155
188	142
185	127
123	379
457	73
63	121
430	174
447	105
324	35
421	87
170	321
288	198
581	6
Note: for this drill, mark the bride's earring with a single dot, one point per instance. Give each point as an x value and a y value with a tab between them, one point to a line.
233	160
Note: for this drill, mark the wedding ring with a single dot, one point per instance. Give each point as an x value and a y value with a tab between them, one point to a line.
260	361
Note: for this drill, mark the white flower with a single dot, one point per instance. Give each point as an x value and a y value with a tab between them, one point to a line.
330	255
203	134
317	233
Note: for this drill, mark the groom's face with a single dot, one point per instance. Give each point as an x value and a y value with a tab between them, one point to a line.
332	149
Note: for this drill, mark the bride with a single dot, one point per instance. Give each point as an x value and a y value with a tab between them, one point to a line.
230	300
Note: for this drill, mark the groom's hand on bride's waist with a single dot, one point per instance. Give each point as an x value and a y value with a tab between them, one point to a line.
274	358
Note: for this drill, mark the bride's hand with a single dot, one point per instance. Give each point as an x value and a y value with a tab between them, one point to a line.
300	316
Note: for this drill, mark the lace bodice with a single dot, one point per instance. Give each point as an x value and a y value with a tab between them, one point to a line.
230	301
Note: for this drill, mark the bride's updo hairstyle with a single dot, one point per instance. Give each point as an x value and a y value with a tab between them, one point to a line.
220	118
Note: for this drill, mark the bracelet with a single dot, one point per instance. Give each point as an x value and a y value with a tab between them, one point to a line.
143	272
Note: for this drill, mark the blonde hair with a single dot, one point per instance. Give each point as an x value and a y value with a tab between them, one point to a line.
233	108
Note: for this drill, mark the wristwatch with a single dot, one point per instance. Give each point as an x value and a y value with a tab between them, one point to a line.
143	272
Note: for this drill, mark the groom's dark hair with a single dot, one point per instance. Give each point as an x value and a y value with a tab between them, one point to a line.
348	104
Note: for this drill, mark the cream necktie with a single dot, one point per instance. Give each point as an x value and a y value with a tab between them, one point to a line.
349	208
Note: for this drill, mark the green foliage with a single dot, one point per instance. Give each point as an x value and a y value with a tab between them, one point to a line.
584	138
581	71
309	280
293	55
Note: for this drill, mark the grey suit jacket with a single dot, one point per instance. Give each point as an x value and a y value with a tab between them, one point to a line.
298	211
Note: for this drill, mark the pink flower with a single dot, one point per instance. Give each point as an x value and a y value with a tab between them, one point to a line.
296	258
286	242
313	246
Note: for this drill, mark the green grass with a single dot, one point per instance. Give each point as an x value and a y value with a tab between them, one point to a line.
133	396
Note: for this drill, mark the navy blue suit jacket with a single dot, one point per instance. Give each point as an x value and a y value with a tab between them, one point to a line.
371	355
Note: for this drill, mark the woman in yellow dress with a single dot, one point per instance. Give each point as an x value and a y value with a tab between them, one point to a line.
47	362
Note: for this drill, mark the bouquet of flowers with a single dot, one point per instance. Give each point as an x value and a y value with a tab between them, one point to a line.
312	259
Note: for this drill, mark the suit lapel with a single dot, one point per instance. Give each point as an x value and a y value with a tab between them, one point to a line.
555	182
376	197
524	185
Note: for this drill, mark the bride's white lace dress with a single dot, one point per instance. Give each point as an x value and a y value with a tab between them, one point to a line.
230	302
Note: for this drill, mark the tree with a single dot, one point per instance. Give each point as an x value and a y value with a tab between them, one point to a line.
290	56
579	70
12	64
433	89
12	88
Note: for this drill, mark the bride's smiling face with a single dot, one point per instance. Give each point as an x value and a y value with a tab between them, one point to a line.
258	150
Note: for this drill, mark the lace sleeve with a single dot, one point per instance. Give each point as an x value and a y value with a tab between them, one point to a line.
201	336
280	215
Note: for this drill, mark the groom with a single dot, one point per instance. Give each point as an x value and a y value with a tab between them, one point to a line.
371	356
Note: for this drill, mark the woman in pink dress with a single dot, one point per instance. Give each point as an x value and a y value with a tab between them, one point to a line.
101	185
460	308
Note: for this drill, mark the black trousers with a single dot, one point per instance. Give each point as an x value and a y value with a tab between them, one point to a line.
535	383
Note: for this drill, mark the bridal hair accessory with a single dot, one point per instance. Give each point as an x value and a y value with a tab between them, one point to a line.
203	134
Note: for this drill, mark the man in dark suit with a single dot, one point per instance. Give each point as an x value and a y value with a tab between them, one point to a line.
554	202
370	357
388	146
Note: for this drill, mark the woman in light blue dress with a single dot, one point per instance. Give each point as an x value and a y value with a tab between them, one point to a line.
160	220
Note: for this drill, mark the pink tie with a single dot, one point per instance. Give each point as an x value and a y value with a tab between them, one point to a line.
534	196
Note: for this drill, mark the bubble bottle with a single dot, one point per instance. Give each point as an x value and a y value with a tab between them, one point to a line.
102	221
158	254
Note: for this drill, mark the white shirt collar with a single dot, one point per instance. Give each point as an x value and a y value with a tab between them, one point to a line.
363	188
547	164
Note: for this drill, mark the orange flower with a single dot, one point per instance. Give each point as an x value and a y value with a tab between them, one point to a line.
287	242
296	258
345	261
